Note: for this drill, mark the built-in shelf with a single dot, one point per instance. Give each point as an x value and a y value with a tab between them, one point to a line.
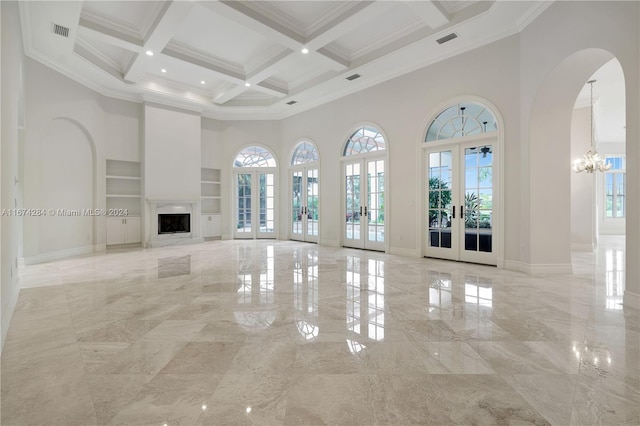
123	194
124	177
210	190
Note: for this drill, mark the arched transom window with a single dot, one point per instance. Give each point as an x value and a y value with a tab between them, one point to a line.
459	120
365	139
305	152
254	156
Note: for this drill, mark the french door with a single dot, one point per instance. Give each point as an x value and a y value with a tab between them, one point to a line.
304	204
459	202
255	213
364	204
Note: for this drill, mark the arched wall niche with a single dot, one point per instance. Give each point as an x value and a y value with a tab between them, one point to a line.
61	179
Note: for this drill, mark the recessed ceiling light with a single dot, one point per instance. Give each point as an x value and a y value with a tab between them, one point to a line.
149	53
305	50
247	84
201	81
163	70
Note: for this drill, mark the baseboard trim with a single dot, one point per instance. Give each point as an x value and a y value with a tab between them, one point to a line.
538	269
61	254
631	300
404	252
7	313
329	243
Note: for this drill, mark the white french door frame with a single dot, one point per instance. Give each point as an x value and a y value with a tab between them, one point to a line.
305	212
363	160
255	232
496	140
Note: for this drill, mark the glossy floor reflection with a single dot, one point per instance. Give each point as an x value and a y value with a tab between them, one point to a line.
276	332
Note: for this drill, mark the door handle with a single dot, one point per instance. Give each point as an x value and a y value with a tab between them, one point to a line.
461	213
365	210
360	210
454	212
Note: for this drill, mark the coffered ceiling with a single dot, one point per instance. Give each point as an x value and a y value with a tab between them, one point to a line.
244	59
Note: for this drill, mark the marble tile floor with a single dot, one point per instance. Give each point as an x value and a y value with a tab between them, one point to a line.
279	332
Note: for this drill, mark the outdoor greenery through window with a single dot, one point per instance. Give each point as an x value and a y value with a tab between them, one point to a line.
614	183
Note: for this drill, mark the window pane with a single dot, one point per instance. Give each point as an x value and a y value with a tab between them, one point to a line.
461	120
363	140
254	156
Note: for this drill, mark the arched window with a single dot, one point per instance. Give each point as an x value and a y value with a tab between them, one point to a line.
254	156
463	119
365	139
305	152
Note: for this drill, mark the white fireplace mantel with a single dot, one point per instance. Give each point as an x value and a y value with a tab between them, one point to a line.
162	206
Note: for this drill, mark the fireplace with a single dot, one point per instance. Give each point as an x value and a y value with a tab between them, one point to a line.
174	223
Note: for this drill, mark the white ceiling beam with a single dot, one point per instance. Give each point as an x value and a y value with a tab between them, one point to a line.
220	71
431	13
110	35
88	56
267	87
357	15
270	66
162	30
229	94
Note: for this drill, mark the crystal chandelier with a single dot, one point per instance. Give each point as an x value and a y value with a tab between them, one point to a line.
591	161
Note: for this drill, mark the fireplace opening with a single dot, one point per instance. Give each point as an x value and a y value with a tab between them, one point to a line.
174	223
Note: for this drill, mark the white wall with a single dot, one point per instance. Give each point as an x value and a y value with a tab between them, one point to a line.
12	122
172	153
123	129
211	148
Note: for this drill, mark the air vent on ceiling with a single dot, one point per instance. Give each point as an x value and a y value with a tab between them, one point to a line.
60	30
292	102
353	77
447	38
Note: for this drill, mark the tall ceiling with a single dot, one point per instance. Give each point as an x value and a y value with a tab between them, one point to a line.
244	59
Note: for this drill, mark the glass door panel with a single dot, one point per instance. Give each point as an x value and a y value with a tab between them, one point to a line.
478	201
374	210
442	229
311	209
267	204
352	205
296	205
243	208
